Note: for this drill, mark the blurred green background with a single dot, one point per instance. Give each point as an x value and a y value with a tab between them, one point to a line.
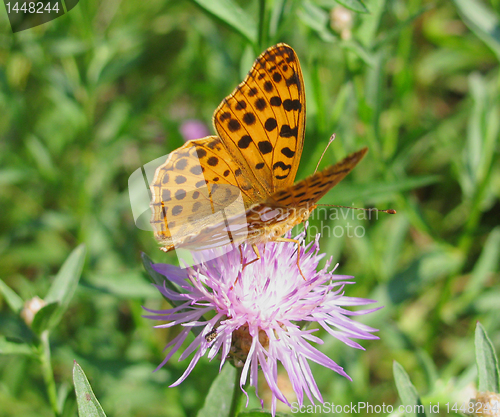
90	97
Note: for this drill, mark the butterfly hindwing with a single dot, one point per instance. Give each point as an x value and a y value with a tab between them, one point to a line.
262	122
196	181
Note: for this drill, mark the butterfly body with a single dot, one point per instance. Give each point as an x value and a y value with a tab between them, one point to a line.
240	185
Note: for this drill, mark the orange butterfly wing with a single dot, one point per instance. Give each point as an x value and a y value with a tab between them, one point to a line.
262	122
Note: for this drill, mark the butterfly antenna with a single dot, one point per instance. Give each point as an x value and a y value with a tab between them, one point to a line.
389	211
323	154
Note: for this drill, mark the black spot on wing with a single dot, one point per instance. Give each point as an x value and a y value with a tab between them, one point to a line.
233	125
270	124
288	152
244	142
265	147
288	132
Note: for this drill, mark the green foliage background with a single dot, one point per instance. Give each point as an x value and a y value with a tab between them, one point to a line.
91	96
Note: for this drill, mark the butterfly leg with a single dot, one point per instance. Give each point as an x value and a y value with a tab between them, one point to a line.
256	251
284	239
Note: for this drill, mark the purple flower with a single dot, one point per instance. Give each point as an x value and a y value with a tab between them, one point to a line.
193	129
257	311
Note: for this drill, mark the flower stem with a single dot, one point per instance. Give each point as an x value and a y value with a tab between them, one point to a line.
237	393
48	374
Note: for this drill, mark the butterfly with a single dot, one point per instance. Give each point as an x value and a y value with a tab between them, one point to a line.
239	186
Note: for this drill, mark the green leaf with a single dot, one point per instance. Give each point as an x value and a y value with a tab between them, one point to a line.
220	394
481	20
44	317
487	362
127	285
157	278
317	19
367	30
88	406
348	193
359	50
407	392
65	283
42	157
13	347
15	302
12	176
396	30
487	263
354	5
232	15
475	134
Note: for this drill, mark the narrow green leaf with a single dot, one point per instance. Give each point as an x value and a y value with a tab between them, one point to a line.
42	156
13	347
396	30
407	392
44	317
127	285
220	394
354	5
65	283
231	14
475	132
481	20
429	367
15	302
88	406
367	30
12	176
486	264
317	19
157	278
359	50
487	362
65	399
346	194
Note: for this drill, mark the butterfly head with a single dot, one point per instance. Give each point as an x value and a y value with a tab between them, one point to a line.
305	212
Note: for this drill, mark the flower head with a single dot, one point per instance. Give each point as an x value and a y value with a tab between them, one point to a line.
193	129
257	313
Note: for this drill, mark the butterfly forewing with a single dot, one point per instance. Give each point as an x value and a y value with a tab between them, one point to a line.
310	190
262	122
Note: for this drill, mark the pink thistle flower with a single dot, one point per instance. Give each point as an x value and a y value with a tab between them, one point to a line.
193	129
257	311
